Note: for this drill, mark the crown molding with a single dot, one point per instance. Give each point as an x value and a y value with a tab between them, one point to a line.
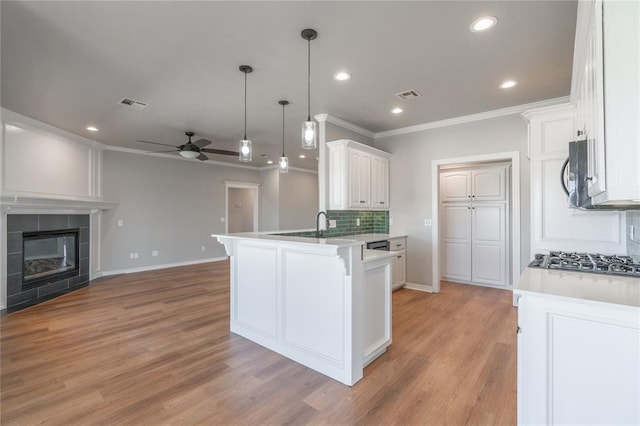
518	109
553	109
344	124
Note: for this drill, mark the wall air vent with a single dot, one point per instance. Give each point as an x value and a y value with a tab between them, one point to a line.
133	104
407	94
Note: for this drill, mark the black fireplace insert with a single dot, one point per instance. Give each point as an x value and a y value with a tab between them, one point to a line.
49	256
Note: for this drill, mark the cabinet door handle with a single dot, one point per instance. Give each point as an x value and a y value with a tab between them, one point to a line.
398	245
399	257
518	330
580	132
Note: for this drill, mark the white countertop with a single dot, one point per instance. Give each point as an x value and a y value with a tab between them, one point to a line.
615	289
371	255
337	242
367	238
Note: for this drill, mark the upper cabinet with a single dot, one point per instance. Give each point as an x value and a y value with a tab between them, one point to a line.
358	176
606	92
484	184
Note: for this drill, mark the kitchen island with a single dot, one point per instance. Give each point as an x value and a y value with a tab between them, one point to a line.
307	299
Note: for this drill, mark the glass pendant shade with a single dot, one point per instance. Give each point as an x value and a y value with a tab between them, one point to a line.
245	150
309	135
283	165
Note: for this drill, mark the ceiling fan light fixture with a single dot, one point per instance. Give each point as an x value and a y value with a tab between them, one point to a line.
245	150
189	154
309	130
283	162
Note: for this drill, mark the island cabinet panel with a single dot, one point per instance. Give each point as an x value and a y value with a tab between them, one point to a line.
300	297
255	299
313	299
376	308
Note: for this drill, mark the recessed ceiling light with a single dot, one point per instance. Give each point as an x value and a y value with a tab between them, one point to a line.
269	161
342	76
302	156
483	23
507	84
92	129
396	110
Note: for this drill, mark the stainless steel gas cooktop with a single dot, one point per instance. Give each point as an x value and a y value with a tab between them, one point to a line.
588	262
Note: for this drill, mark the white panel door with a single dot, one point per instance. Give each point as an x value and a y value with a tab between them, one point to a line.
359	179
455	186
379	182
489	184
456	242
488	243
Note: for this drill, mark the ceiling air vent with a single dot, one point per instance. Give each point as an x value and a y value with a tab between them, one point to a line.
408	94
133	104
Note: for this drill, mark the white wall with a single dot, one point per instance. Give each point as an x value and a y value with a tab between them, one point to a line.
410	172
169	205
240	215
269	200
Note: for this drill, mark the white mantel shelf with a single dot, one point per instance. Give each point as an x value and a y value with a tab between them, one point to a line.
20	204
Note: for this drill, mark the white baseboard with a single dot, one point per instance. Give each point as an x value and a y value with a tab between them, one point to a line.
3	307
419	287
154	267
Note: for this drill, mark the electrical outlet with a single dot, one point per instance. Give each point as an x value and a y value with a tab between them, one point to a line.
427	222
222	219
120	222
135	255
154	253
332	223
203	248
358	221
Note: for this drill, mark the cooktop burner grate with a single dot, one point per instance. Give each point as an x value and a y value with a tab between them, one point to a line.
587	262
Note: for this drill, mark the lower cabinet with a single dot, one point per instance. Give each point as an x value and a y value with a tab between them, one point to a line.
399	269
578	362
376	291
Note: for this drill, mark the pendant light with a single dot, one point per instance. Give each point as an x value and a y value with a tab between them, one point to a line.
283	163
244	148
309	131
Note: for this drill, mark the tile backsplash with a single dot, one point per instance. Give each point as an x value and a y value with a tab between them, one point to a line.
633	246
371	221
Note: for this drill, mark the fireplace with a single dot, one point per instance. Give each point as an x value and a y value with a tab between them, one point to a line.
49	256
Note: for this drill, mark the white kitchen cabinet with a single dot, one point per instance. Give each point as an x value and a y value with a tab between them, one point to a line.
359	179
379	182
485	184
577	362
555	226
358	176
607	95
474	225
399	265
376	308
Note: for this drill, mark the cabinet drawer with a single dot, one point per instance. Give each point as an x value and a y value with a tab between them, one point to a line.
397	244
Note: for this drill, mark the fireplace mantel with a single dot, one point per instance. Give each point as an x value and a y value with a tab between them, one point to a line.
41	205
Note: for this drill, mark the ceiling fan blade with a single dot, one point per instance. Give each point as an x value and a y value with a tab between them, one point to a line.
156	143
219	151
202	157
156	152
201	143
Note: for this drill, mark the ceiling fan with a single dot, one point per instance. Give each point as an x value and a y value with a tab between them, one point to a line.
193	149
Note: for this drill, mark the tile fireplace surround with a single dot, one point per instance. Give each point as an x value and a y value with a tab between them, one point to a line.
17	298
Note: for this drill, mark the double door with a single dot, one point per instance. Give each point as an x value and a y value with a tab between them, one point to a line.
474	214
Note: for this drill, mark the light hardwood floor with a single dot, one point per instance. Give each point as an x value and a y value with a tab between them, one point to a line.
155	348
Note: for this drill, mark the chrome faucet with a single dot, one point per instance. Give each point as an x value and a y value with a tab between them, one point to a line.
318	233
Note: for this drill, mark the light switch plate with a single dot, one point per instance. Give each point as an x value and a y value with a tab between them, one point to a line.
427	222
332	223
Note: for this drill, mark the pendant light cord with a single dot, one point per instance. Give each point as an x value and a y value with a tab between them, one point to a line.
309	80
283	129
245	105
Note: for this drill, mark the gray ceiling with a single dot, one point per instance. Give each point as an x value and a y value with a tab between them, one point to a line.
69	63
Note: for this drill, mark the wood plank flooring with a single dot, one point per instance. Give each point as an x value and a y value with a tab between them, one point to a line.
155	348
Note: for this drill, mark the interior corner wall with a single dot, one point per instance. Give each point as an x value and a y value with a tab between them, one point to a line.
410	175
269	200
298	200
335	132
169	205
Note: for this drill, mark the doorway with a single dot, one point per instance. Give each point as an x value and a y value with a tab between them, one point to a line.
241	207
513	158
